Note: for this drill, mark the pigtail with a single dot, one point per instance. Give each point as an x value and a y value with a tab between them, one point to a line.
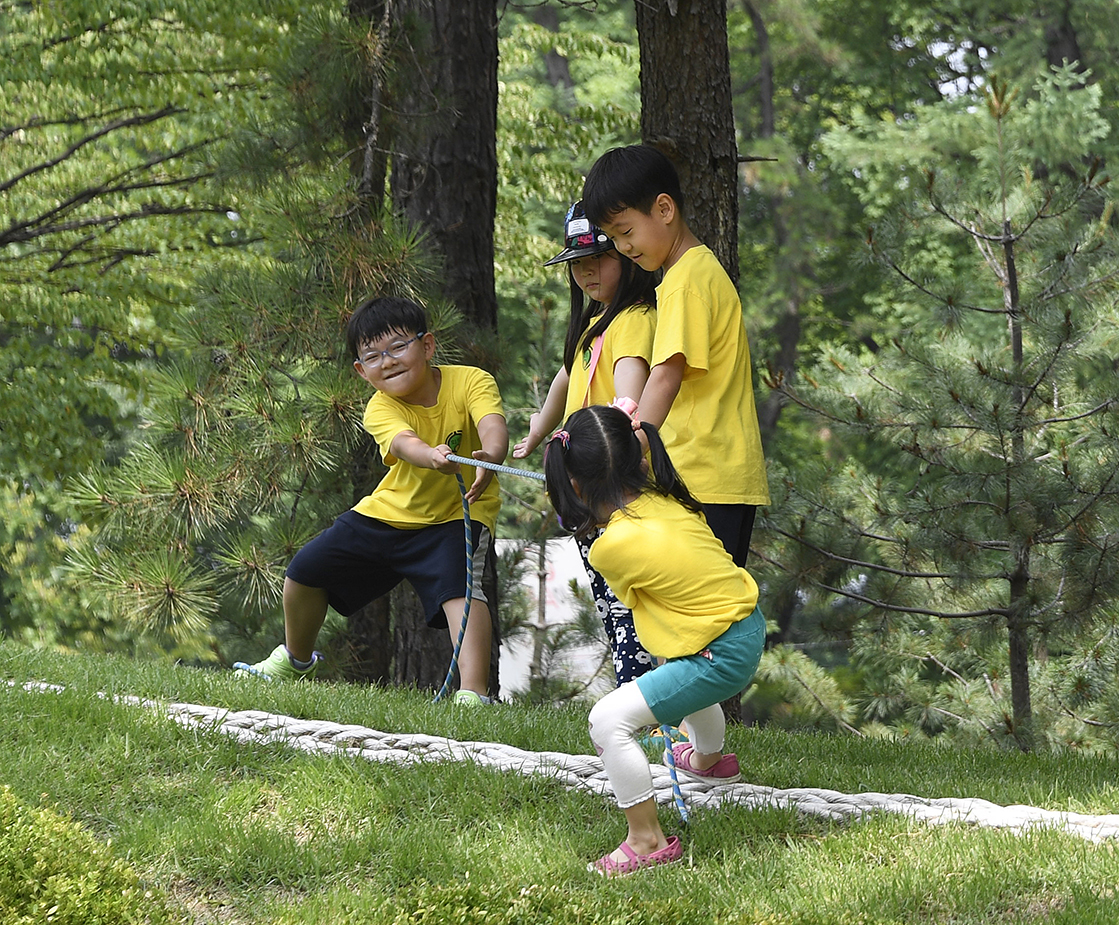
665	478
572	513
599	450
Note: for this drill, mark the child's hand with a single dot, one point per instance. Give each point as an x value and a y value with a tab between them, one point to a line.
440	461
526	446
482	478
532	440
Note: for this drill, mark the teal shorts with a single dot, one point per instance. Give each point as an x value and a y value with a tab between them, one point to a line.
693	682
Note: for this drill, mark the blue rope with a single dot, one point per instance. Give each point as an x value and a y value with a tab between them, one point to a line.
449	680
677	793
509	470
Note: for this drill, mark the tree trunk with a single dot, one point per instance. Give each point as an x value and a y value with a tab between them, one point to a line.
686	112
367	651
766	106
365	128
444	175
557	68
1018	642
540	630
786	330
489	582
1019	655
1062	45
421	654
444	179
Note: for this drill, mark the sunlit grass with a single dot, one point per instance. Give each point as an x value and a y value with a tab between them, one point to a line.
264	833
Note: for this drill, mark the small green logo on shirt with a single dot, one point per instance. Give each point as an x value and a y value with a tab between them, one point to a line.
454	441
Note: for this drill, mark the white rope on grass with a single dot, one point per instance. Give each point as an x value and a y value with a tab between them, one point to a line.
585	772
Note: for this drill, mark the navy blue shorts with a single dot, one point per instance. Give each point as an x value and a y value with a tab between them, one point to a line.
357	559
733	525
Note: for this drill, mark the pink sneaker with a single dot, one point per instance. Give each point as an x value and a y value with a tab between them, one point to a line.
723	771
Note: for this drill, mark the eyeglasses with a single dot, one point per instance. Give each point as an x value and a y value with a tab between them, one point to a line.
396	351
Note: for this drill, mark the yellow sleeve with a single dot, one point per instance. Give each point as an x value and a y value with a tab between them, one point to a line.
683	322
384	420
482	395
631	334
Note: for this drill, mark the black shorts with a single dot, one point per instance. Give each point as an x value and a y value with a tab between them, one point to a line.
733	524
357	559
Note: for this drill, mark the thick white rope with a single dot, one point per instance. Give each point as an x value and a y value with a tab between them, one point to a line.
585	772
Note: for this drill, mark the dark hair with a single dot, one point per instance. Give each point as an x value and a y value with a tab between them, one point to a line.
599	449
378	316
629	178
634	287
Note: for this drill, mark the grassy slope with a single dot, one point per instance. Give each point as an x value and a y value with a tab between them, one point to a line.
252	833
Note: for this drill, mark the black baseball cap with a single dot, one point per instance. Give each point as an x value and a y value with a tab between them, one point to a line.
580	237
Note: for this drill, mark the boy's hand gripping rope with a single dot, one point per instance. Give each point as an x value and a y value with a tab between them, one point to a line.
677	794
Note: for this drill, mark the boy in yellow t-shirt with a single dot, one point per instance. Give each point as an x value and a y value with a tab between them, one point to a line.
411	526
700	390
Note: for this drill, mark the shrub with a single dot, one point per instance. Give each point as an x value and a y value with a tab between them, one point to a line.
53	871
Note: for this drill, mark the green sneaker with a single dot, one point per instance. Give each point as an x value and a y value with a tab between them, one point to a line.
470	699
278	666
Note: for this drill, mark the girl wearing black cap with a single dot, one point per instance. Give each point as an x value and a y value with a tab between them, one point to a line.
605	356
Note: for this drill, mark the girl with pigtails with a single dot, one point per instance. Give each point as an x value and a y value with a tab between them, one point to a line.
692	607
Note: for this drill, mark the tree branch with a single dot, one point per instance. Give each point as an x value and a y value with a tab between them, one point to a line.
142	119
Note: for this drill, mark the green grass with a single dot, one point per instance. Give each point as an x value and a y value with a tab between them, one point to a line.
250	833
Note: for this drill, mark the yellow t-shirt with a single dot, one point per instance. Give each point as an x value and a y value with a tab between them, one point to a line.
409	497
712	430
630	334
664	563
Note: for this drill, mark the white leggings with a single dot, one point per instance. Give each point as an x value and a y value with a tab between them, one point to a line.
614	722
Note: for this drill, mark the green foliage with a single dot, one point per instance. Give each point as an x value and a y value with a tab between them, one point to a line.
548	136
855	64
802	276
109	207
809	695
251	437
988	503
251	429
52	870
554	645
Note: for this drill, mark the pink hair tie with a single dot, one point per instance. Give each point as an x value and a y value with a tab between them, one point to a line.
563	437
628	407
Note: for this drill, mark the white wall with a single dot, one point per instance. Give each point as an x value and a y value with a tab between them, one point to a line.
563	564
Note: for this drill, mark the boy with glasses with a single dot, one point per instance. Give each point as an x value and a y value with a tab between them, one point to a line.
410	526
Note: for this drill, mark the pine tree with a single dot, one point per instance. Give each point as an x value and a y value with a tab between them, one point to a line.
973	524
252	440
